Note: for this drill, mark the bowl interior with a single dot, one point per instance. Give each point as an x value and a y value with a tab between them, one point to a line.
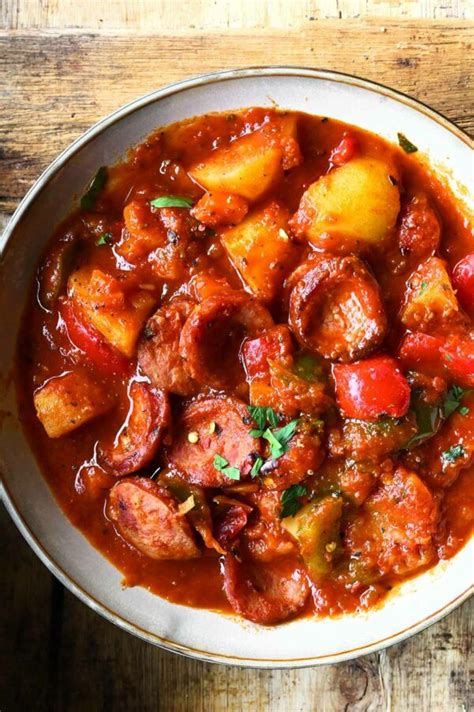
64	549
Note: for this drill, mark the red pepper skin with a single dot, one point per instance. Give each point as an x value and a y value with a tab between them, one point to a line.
372	389
451	358
344	151
105	358
463	281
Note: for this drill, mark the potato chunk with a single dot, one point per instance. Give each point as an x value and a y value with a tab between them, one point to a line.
261	250
103	304
430	302
350	208
65	402
248	166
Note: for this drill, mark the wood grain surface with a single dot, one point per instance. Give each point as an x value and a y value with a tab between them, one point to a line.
63	65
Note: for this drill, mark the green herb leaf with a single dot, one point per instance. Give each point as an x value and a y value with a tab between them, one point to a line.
171	201
262	416
428	420
104	239
405	144
464	410
222	465
256	467
96	186
453	400
280	438
453	454
289	500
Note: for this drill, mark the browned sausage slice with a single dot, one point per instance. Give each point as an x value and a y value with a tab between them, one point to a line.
336	309
148	519
213	334
158	352
209	427
265	593
140	436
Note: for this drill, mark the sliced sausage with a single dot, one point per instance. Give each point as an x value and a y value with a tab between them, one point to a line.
209	427
139	438
213	334
147	518
336	309
158	350
267	593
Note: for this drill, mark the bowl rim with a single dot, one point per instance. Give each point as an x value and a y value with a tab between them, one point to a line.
36	189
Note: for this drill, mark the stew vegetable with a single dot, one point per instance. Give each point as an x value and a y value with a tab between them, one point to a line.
247	366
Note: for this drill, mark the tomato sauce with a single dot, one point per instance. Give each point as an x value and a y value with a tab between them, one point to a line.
366	479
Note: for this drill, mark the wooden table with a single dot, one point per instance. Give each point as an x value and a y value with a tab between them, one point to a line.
64	65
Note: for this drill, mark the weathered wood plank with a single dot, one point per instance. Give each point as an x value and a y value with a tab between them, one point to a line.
58	85
198	15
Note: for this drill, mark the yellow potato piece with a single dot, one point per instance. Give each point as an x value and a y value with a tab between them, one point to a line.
430	302
119	326
249	166
68	401
261	250
353	206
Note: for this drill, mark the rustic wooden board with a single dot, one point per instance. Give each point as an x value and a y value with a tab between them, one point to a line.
60	84
65	64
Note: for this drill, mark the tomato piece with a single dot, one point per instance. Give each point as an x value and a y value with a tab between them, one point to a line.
372	389
264	537
419	228
219	208
148	519
105	358
139	438
346	149
256	353
229	526
463	281
267	593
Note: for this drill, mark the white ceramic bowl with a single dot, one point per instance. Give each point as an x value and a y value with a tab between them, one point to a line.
200	633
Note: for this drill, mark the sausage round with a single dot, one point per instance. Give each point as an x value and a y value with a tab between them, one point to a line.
140	436
209	427
212	337
336	309
268	593
147	517
158	350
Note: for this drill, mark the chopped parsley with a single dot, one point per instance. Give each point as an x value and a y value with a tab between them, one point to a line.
405	144
289	500
256	467
453	399
96	186
262	416
222	465
104	239
453	454
280	438
428	420
171	201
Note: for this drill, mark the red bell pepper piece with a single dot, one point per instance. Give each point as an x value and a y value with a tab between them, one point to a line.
105	358
372	389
